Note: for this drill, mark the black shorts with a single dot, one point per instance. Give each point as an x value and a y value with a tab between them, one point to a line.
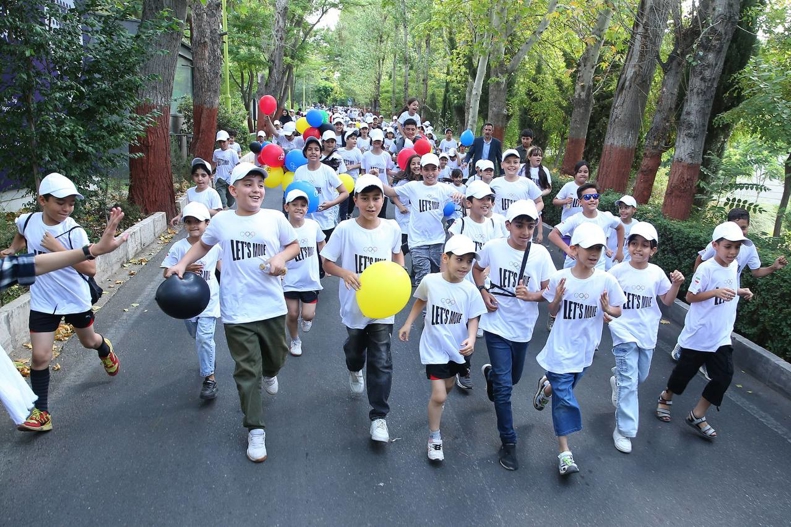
46	323
307	297
445	371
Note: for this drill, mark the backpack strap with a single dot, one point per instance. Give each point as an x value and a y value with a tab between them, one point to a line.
462	226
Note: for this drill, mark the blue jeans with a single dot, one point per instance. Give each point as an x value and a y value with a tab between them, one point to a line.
508	361
566	414
632	364
425	260
202	330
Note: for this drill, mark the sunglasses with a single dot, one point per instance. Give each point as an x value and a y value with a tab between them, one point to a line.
587	197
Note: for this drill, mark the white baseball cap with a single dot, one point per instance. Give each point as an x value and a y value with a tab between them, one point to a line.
429	159
587	235
242	170
276	123
443	154
459	245
203	163
296	193
522	207
484	164
197	210
261	133
510	152
364	125
452	152
646	230
478	189
222	135
290	128
329	134
377	135
629	201
60	186
337	119
366	181
729	231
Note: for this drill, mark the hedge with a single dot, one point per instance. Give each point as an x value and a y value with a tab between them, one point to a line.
766	320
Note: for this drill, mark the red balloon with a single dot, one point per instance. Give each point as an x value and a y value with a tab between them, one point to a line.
273	156
260	157
404	155
422	147
311	132
267	104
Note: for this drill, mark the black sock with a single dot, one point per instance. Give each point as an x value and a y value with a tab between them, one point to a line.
39	382
103	350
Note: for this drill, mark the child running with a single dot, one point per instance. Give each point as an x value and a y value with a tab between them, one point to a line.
579	297
627	206
452	307
202	191
511	187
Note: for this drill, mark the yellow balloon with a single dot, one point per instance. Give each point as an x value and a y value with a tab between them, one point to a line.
348	182
274	178
302	125
288	178
385	289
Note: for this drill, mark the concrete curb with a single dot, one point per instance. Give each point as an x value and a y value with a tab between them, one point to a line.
14	316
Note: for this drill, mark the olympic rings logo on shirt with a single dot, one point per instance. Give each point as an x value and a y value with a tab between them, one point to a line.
370	249
247	234
581	296
515	264
637	288
729	281
448	302
303	241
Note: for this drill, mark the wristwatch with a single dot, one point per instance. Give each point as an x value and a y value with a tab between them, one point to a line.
86	250
481	287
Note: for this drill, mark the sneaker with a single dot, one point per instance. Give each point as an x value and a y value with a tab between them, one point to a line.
486	369
110	362
296	348
256	446
435	452
379	431
566	463
614	394
356	382
705	372
675	354
37	421
209	389
540	400
464	381
550	322
508	456
306	325
270	385
479	333
622	443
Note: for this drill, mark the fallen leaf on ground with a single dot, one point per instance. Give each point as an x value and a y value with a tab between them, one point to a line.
738	385
23	369
28	345
56	367
135	305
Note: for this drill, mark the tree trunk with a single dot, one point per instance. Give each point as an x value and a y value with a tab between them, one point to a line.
206	74
582	102
426	67
703	77
631	94
405	27
277	77
475	90
393	82
150	175
781	210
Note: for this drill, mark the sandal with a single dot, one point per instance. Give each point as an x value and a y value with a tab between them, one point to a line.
663	414
707	432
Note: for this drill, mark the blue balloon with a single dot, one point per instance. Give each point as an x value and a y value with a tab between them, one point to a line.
295	159
467	137
265	143
310	190
449	209
315	118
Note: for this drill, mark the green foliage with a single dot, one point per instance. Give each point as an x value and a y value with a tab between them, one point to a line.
233	119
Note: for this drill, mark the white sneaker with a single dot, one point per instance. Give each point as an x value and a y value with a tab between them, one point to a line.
479	334
614	394
379	431
435	452
270	385
622	443
705	371
296	347
676	353
356	382
256	446
305	325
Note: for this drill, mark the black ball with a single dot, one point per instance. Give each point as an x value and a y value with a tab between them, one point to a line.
183	298
326	126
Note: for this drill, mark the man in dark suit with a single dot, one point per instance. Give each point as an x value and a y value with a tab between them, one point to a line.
486	147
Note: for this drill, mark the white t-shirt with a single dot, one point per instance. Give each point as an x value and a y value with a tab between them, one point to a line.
428	202
499	222
640	315
747	257
514	319
405	115
364	144
224	161
351	157
303	271
208	197
448	308
326	182
612	242
506	192
605	220
401	218
534	175
578	326
61	292
355	248
297	143
177	252
480	233
569	190
236	148
709	324
445	145
249	294
381	161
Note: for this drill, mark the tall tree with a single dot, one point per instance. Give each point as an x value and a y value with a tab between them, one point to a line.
206	39
631	94
718	27
150	175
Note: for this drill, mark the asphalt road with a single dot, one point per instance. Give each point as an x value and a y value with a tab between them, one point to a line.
142	449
